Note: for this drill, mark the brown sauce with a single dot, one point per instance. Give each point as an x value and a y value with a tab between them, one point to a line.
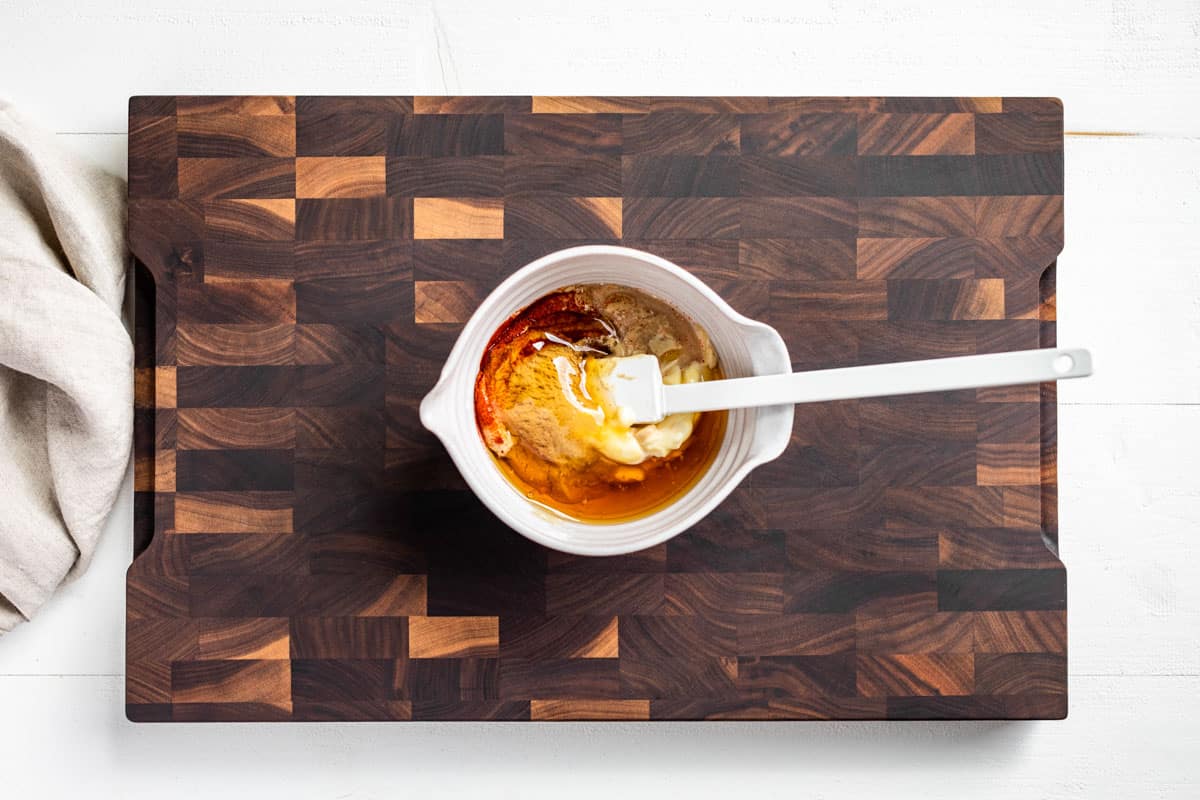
593	322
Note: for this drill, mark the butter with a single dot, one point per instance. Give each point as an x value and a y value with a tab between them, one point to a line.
634	444
560	417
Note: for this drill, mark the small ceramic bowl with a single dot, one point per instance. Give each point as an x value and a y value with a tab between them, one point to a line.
745	348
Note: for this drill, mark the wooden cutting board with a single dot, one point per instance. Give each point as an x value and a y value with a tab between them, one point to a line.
306	551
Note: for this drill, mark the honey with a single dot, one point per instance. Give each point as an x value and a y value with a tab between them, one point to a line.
542	417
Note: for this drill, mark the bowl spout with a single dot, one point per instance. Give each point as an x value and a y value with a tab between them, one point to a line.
435	413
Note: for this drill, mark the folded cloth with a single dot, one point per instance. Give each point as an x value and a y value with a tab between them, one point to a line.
66	363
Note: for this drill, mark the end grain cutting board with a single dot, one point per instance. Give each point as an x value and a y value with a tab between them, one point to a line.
307	552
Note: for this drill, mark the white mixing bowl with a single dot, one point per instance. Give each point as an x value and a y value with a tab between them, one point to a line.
745	348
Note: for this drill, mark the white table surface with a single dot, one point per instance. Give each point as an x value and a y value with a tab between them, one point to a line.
1129	438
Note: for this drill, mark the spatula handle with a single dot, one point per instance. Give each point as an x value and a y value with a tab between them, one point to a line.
906	377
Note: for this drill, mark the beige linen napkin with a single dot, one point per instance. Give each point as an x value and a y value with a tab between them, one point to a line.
66	361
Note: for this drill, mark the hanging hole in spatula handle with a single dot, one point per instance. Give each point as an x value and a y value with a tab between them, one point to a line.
1056	363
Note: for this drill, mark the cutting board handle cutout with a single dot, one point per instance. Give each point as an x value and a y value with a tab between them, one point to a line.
145	416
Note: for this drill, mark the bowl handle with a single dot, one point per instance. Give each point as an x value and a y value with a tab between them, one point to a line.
772	424
768	353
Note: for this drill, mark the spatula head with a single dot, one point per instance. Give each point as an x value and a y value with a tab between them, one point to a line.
634	387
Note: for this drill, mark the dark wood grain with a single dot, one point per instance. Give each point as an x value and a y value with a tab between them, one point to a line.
681	176
333	133
478	176
799	134
562	134
446	135
669	133
571	175
307	551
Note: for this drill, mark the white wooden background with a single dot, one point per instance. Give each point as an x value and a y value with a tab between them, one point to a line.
1129	288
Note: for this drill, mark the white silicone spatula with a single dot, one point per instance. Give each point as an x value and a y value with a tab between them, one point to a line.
635	384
